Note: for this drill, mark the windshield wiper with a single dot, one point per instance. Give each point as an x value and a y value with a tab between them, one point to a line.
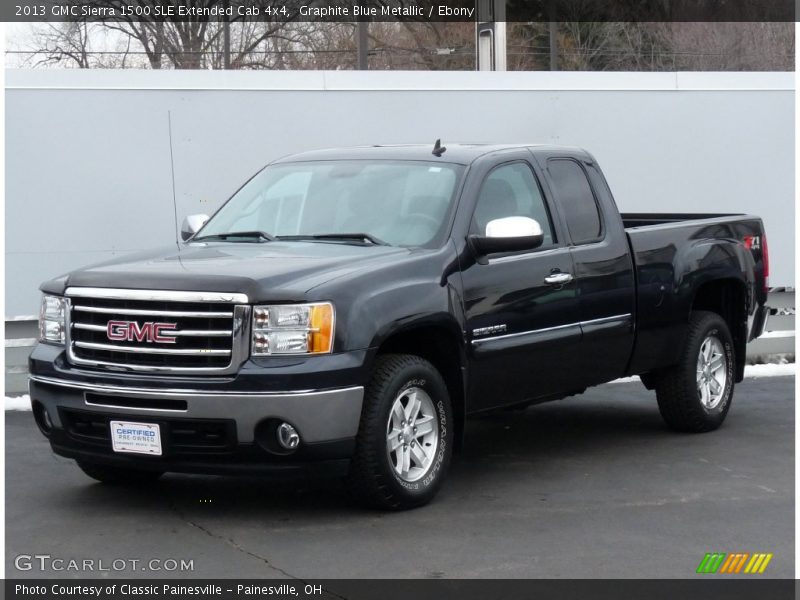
260	236
345	237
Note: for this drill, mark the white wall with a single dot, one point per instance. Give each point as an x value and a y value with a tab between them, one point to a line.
89	174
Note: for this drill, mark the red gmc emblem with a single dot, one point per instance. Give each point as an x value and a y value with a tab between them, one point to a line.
129	331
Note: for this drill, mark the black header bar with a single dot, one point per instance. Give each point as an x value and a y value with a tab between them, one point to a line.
705	587
398	10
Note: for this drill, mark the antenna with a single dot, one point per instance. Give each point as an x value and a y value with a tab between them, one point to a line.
438	149
172	175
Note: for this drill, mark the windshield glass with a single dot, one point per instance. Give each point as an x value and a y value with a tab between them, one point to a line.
402	203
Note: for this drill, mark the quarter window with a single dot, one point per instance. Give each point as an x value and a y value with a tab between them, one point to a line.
576	200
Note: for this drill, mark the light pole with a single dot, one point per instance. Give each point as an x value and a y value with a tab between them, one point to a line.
362	45
553	46
490	35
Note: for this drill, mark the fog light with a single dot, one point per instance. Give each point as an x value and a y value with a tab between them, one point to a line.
288	438
48	424
42	418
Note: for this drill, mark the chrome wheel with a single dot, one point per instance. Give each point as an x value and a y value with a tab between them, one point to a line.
712	372
411	434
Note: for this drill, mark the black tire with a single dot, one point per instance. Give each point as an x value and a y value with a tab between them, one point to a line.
679	400
372	479
118	475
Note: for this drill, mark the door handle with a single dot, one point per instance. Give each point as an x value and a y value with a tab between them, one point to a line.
558	278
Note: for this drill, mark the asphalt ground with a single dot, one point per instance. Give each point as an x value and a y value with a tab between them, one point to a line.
591	486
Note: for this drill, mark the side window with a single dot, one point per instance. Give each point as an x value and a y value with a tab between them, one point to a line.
512	191
576	200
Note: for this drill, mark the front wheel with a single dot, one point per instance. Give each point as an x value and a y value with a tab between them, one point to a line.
695	395
405	436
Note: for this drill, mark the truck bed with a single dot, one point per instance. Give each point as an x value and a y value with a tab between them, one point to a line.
631	220
674	254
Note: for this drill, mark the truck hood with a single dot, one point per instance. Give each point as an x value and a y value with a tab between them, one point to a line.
271	271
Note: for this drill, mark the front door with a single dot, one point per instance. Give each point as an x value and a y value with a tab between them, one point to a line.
521	309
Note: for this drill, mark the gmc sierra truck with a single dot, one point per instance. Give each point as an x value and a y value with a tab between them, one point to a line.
346	310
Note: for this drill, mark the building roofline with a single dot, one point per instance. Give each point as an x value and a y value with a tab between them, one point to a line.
147	79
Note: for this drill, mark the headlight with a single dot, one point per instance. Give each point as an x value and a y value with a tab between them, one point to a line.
292	329
52	322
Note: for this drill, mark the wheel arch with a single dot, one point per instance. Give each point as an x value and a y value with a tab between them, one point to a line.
727	297
440	342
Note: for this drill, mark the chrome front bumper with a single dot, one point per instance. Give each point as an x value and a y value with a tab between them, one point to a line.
318	415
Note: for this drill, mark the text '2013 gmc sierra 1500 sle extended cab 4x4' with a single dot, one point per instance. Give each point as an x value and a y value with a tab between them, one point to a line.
346	310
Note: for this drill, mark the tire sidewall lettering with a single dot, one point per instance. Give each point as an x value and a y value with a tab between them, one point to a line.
726	345
421	383
441	452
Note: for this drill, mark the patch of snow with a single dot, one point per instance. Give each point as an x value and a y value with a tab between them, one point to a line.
18	402
633	379
770	370
750	372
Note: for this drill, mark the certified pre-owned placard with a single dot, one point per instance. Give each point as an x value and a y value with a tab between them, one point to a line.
139	438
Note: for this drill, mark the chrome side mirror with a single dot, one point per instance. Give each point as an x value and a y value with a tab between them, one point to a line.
513	227
509	234
192	224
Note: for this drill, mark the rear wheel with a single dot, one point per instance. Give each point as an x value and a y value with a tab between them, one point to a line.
695	395
404	442
117	475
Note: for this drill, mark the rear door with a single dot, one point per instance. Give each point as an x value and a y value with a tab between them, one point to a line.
521	308
602	264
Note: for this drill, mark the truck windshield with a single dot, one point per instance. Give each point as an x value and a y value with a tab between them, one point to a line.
401	203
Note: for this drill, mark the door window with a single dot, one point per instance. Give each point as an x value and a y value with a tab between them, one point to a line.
512	191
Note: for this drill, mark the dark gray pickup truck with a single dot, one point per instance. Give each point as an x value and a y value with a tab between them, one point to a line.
346	310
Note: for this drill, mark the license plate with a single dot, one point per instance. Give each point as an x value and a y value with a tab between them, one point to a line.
138	438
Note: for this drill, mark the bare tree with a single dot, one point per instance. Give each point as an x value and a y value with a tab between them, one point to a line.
193	42
62	43
422	45
75	44
733	46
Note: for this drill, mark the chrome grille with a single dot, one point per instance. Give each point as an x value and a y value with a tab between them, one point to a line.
205	331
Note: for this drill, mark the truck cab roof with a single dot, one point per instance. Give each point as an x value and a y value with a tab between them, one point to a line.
462	154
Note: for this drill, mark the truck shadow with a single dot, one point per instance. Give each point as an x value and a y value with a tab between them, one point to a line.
542	442
571	425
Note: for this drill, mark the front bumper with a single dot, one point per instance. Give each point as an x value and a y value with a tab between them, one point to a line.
209	425
319	416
